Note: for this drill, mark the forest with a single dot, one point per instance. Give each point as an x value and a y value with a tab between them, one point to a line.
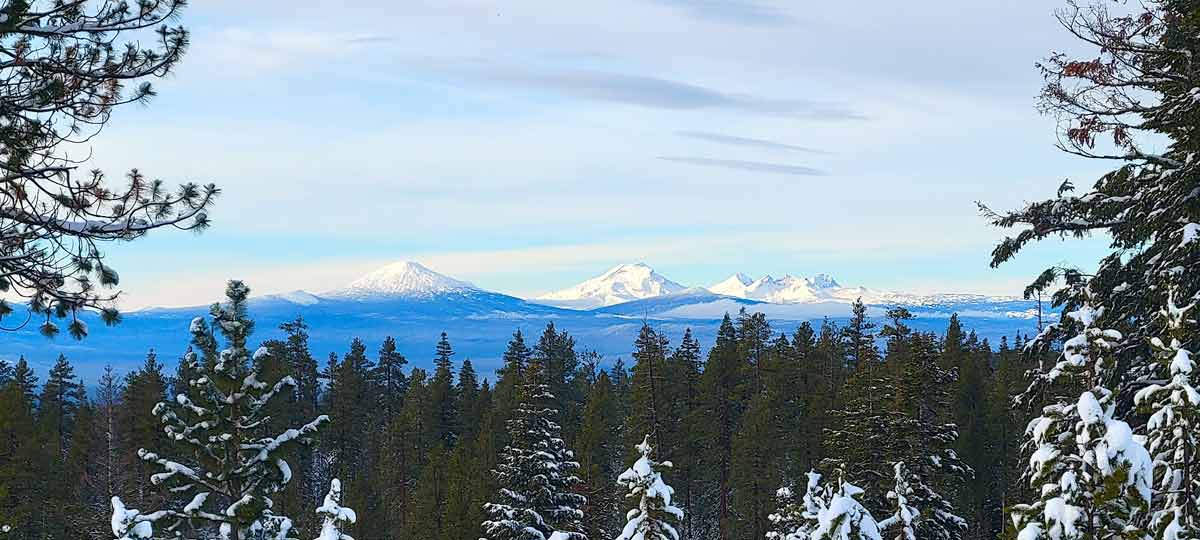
413	450
864	430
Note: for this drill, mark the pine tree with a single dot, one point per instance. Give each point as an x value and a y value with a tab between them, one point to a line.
684	368
859	337
928	440
1091	477
536	473
1172	431
442	395
237	463
557	352
655	516
599	455
335	517
348	389
19	447
797	519
721	390
648	397
755	468
905	516
842	517
55	218
1127	95
25	379
144	389
389	375
57	415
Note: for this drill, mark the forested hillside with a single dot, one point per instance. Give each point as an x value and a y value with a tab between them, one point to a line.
414	449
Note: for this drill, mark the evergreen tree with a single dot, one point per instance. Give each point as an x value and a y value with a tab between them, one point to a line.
1090	475
722	405
684	368
348	389
237	464
599	456
144	389
58	406
655	516
859	337
25	379
929	440
536	473
389	375
648	396
1172	432
755	469
442	395
335	518
19	447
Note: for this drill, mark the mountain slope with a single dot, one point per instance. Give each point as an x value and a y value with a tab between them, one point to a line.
622	283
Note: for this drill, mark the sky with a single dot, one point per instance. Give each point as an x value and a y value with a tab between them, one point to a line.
526	145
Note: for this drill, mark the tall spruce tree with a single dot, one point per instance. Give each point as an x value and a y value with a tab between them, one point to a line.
722	405
654	516
236	465
537	472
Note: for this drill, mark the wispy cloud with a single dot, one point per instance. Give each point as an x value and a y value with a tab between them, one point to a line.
753	166
659	93
747	141
733	11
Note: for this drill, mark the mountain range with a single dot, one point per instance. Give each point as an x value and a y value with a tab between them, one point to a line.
415	304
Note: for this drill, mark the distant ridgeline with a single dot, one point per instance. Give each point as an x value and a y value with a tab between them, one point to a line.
415	305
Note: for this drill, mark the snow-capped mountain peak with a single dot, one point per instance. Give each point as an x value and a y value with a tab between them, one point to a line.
405	278
788	289
622	283
734	285
823	281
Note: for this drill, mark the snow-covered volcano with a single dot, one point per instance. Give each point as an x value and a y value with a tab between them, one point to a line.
786	290
402	279
620	284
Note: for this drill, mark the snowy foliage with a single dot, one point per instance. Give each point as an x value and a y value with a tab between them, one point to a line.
653	517
334	516
127	523
1172	432
905	517
796	520
844	518
536	474
234	464
1093	476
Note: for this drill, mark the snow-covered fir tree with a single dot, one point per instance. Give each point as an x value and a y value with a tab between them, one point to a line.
655	515
843	517
905	516
1173	430
335	517
1092	475
536	473
796	519
232	465
128	523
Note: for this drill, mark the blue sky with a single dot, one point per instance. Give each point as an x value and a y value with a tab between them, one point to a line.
527	145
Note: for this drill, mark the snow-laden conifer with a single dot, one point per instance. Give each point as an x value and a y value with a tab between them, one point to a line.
844	518
654	516
232	464
536	474
1092	475
1173	430
905	516
335	517
127	523
797	519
